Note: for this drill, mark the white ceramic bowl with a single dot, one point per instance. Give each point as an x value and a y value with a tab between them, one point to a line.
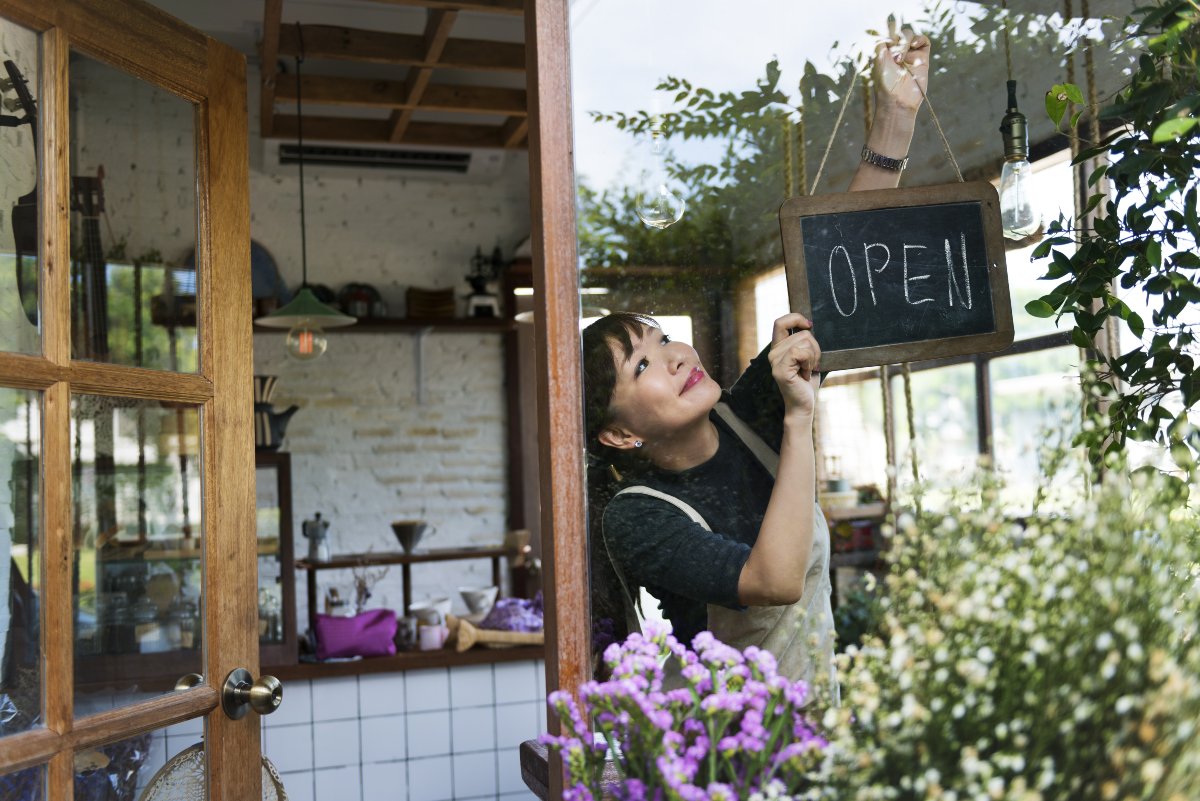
479	599
431	611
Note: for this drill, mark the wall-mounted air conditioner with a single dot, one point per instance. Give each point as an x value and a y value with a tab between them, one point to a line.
381	161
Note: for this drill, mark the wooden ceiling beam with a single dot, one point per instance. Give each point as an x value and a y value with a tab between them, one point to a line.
268	53
379	47
371	93
437	32
514	131
378	131
511	7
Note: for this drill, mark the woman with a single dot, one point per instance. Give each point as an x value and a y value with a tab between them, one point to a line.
707	498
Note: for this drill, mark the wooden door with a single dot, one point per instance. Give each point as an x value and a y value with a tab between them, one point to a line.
126	449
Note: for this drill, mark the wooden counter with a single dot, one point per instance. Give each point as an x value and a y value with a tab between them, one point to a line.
405	660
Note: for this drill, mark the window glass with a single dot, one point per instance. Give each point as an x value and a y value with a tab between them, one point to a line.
946	446
1052	187
1035	403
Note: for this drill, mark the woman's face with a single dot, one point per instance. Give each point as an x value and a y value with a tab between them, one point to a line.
661	390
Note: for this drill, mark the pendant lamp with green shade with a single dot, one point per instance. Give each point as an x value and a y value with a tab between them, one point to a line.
304	316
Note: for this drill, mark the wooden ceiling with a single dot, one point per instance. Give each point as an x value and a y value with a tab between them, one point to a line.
430	57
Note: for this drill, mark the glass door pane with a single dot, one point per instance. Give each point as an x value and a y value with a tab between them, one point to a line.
137	523
20	60
28	784
133	222
20	562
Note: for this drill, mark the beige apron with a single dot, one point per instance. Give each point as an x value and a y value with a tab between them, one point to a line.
800	635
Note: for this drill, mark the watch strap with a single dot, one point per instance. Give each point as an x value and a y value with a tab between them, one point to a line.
871	157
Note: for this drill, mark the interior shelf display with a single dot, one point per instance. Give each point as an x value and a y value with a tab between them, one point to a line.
139	599
406	560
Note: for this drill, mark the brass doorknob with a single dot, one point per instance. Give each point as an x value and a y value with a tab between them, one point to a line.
240	693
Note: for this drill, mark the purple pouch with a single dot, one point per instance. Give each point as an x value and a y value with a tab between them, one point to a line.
372	633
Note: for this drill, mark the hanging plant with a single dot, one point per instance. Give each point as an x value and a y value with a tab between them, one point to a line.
1144	240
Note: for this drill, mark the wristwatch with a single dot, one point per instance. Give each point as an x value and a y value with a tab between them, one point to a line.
871	157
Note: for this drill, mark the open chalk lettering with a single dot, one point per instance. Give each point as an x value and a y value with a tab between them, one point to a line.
899	274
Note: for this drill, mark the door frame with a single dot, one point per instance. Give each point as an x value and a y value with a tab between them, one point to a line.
153	46
560	372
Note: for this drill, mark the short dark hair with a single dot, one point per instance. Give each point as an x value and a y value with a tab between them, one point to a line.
600	369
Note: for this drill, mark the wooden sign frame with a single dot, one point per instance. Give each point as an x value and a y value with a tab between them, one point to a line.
794	210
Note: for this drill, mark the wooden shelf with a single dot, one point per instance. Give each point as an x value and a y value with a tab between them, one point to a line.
406	560
405	660
401	325
120	671
145	553
348	560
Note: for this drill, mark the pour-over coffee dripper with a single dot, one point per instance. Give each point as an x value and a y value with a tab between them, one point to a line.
410	532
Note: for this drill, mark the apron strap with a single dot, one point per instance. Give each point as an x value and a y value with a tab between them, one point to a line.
761	450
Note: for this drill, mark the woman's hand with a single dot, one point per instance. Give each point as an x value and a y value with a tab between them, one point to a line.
901	69
795	358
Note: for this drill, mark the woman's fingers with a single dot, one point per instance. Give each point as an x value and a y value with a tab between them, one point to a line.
784	325
798	354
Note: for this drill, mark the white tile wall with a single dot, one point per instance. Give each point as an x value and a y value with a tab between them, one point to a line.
335	744
385	780
382	694
427	735
516	681
291	747
338	783
475	775
427	690
296	706
383	738
472	685
474	729
335	699
430	779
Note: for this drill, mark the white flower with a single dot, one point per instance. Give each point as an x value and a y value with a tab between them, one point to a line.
1104	641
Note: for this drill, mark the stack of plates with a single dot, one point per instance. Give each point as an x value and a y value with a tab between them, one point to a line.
429	303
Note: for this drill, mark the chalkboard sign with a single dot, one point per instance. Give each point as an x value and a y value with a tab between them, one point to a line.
897	275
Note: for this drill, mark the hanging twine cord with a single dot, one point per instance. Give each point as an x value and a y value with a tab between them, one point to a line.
1007	50
789	184
888	442
801	159
833	134
912	428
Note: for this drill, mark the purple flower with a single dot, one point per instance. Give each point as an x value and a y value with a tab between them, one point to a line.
577	792
631	790
719	791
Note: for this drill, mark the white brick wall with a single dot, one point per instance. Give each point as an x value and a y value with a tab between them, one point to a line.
366	452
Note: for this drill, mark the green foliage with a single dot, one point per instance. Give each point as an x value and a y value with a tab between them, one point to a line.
1056	659
1145	238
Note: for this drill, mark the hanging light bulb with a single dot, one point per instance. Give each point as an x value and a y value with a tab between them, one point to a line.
304	316
657	206
1018	214
306	342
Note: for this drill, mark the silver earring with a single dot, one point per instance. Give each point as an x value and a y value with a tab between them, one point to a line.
637	443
